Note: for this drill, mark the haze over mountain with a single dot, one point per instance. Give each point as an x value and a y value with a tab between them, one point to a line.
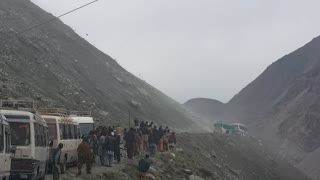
54	65
282	106
207	109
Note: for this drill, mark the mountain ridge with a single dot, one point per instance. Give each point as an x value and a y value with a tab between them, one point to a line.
55	66
207	109
281	106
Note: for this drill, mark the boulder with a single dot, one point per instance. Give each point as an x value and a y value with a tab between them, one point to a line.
213	154
172	155
194	177
152	170
187	171
150	176
179	149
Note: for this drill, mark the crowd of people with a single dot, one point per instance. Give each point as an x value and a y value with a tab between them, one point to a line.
108	144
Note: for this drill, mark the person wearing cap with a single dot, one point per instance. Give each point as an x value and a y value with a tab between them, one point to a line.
84	156
110	147
117	150
56	162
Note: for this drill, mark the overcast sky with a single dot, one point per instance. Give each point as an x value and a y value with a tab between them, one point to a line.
194	48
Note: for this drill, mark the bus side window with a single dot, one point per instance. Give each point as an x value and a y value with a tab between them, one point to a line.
1	139
61	131
79	133
36	134
75	131
46	138
70	131
65	131
39	135
74	135
42	136
8	142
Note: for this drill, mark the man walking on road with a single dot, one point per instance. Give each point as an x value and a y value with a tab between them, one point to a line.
56	162
110	146
117	152
84	156
153	141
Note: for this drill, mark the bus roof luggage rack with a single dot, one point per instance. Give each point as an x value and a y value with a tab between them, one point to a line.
54	111
25	105
81	113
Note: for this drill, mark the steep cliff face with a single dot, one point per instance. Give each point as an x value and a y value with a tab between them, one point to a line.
56	67
207	109
282	104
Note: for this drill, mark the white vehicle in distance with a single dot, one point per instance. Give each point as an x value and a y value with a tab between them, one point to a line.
29	135
85	121
62	129
5	149
239	129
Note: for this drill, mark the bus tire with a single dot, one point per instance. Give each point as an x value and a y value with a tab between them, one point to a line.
42	178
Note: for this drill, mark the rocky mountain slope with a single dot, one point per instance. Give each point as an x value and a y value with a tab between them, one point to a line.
55	66
205	157
207	109
282	106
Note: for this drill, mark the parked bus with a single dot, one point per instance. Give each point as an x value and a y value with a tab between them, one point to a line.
85	121
62	129
29	135
222	127
5	149
234	128
239	129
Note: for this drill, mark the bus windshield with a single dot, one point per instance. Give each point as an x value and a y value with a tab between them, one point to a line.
20	133
52	131
85	128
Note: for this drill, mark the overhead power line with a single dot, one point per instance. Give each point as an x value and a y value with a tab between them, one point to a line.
48	21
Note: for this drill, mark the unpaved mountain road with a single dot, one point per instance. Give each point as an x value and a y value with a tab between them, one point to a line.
209	156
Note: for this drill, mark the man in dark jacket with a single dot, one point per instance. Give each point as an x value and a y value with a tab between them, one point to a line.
142	124
153	141
117	152
110	147
56	162
130	142
143	167
84	156
136	123
93	141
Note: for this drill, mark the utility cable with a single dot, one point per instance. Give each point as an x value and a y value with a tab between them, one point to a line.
50	20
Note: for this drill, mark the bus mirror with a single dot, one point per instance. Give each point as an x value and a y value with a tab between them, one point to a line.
13	151
50	143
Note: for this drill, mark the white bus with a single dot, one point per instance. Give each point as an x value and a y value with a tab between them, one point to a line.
5	159
62	129
29	135
239	129
85	121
